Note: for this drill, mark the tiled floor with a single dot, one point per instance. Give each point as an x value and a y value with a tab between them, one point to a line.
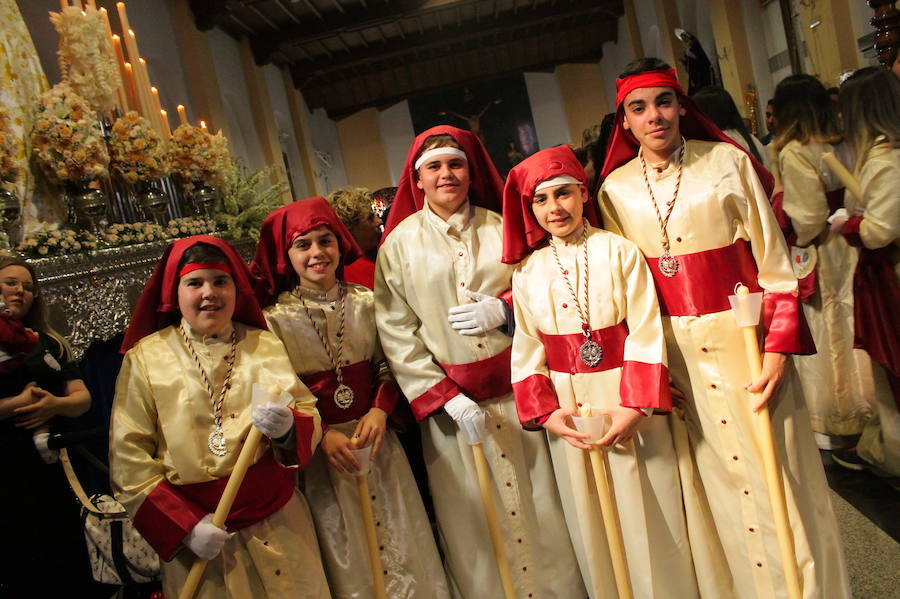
868	511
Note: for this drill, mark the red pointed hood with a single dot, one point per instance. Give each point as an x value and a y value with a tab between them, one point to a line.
694	125
157	306
485	189
271	267
522	234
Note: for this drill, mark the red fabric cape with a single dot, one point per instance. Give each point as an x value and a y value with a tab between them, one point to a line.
157	306
485	190
694	125
271	267
521	232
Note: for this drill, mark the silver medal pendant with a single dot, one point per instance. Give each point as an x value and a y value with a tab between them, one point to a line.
590	353
343	396
217	442
668	265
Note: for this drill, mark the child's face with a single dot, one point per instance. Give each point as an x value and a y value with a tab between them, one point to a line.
558	209
16	290
315	257
206	298
653	115
445	181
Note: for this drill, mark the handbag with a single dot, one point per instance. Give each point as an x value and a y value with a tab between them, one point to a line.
118	552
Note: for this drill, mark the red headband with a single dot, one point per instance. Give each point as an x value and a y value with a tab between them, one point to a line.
662	78
188	268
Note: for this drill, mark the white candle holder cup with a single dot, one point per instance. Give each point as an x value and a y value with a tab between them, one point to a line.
746	308
595	426
261	395
363	455
473	429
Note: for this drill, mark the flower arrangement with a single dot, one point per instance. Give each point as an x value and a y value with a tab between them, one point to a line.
136	152
67	142
121	234
189	225
54	242
86	57
10	148
196	156
247	199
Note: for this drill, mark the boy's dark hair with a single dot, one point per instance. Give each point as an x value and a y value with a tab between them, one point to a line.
202	253
642	65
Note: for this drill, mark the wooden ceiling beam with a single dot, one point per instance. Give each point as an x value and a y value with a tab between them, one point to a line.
545	17
207	13
339	105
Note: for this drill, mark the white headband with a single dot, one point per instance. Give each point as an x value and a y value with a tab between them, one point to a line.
439	152
560	180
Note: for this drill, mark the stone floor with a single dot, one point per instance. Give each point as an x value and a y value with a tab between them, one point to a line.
868	511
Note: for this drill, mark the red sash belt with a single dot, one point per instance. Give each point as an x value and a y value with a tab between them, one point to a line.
323	384
484	379
170	511
562	350
705	280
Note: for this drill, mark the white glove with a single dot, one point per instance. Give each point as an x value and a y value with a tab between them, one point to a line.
485	314
274	420
206	539
840	212
462	408
50	456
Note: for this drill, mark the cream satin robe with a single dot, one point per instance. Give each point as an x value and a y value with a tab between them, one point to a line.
160	422
408	551
879	178
645	471
423	269
721	201
837	381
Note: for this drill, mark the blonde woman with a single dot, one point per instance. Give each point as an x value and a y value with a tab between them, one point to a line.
870	102
838	380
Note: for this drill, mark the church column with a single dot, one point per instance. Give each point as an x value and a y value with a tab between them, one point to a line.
263	116
584	98
732	48
667	20
300	121
634	31
365	160
829	38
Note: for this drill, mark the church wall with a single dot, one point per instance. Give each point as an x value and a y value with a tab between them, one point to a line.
282	113
397	135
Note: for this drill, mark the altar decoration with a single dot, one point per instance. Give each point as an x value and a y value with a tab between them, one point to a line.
136	151
184	227
11	147
121	234
196	158
45	242
86	56
67	142
247	199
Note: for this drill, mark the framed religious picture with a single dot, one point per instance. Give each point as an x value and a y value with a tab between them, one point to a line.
497	111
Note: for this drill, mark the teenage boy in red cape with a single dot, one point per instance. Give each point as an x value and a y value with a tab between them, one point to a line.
437	281
579	288
698	209
195	347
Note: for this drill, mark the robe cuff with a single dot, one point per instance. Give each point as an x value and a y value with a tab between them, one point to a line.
386	395
509	327
434	399
165	518
645	385
507	297
535	401
304	433
784	325
851	231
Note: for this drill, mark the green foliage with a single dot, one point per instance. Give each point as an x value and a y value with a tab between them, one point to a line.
247	198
